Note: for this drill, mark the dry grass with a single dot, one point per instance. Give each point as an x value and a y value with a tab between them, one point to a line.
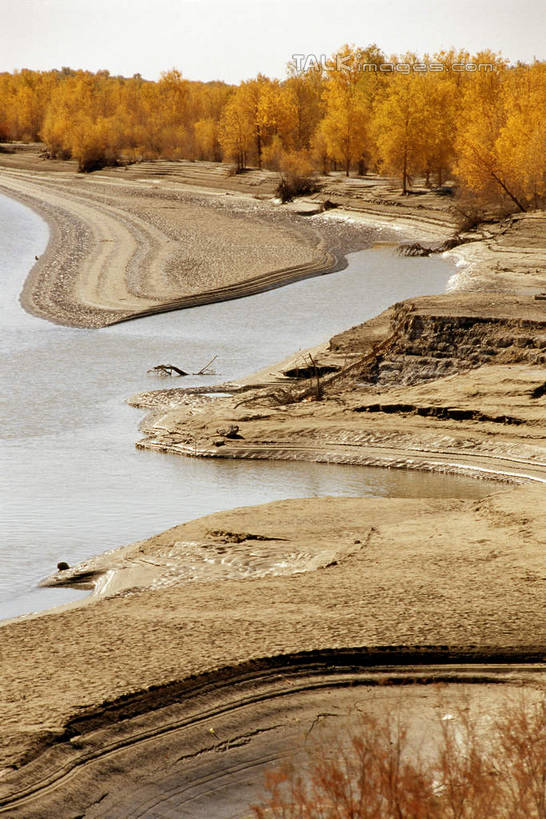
476	770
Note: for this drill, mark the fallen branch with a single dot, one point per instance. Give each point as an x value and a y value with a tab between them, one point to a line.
204	370
170	369
167	369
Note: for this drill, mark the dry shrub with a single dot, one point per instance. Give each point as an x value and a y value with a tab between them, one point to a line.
374	772
297	175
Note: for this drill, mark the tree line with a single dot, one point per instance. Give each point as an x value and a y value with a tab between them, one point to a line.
474	118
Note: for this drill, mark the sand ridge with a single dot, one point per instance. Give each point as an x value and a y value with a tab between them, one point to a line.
119	251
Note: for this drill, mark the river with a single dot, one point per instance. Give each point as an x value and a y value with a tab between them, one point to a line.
72	482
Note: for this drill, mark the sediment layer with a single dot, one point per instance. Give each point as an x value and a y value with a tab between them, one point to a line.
175	735
386	572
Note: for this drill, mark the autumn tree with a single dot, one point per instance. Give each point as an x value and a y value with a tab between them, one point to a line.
237	129
438	121
475	116
319	149
345	124
305	93
521	145
397	126
208	101
483	118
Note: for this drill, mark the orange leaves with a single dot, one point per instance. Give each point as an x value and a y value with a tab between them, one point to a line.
345	124
238	127
472	116
397	127
206	133
501	140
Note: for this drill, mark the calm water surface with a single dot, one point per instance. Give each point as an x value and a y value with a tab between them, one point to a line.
72	483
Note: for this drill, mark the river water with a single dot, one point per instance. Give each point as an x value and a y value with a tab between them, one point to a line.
72	483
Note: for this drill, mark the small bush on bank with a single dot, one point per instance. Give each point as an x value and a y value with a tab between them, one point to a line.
297	176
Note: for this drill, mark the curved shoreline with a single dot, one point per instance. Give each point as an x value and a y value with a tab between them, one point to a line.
505	469
53	288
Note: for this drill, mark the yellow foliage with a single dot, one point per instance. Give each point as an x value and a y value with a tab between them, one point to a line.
501	140
404	116
345	124
398	131
206	139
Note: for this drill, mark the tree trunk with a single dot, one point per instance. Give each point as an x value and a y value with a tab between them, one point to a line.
259	146
509	193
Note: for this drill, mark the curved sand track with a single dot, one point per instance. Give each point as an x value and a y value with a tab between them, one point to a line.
118	251
199	747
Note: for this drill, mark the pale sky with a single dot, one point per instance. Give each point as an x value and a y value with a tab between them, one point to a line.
233	40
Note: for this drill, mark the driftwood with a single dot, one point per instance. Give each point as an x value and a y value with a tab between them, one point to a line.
281	396
167	369
170	369
205	370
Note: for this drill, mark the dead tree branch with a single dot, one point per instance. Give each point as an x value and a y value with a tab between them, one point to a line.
167	369
170	369
205	370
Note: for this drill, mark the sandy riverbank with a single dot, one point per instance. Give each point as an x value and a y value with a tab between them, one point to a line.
372	572
130	243
123	250
158	236
443	383
185	620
